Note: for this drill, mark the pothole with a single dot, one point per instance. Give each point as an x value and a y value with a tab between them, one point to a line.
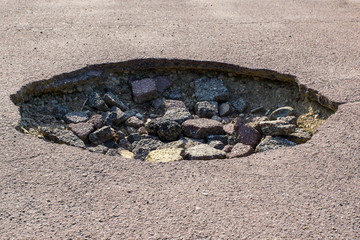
162	110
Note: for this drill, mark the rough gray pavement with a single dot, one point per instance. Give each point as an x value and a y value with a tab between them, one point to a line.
310	191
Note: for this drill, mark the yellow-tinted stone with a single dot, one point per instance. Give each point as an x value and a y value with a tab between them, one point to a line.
126	154
165	155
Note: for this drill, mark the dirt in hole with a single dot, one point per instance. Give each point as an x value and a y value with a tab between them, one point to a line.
163	115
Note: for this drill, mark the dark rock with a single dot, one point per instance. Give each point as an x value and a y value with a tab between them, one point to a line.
216	144
175	94
95	101
134	122
224	109
113	100
222	138
114	117
276	128
111	144
211	90
240	150
162	83
239	105
272	143
76	117
246	134
152	126
120	134
82	130
204	152
124	144
178	115
144	90
281	112
97	121
169	130
202	127
133	137
60	111
144	146
206	109
142	130
129	113
101	135
299	136
157	103
63	136
169	104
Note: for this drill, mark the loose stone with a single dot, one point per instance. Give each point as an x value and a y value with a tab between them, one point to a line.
204	152
144	90
224	109
113	100
144	146
126	154
165	155
169	104
82	130
272	143
281	112
62	136
76	117
134	122
178	115
276	128
246	134
211	90
202	127
97	121
114	117
95	101
169	130
299	136
239	105
206	109
240	150
101	135
157	103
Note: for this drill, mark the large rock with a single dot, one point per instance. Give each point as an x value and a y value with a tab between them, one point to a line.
169	130
272	143
96	120
144	90
101	135
202	127
246	134
82	130
240	150
95	101
178	115
165	155
62	136
206	109
211	90
76	117
144	146
134	122
203	152
276	128
281	112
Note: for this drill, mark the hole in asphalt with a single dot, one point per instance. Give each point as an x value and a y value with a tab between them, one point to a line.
164	110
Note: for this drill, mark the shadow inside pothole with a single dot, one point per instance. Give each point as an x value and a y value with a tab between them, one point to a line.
166	110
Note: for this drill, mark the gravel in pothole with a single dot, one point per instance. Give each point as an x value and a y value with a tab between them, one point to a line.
162	116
